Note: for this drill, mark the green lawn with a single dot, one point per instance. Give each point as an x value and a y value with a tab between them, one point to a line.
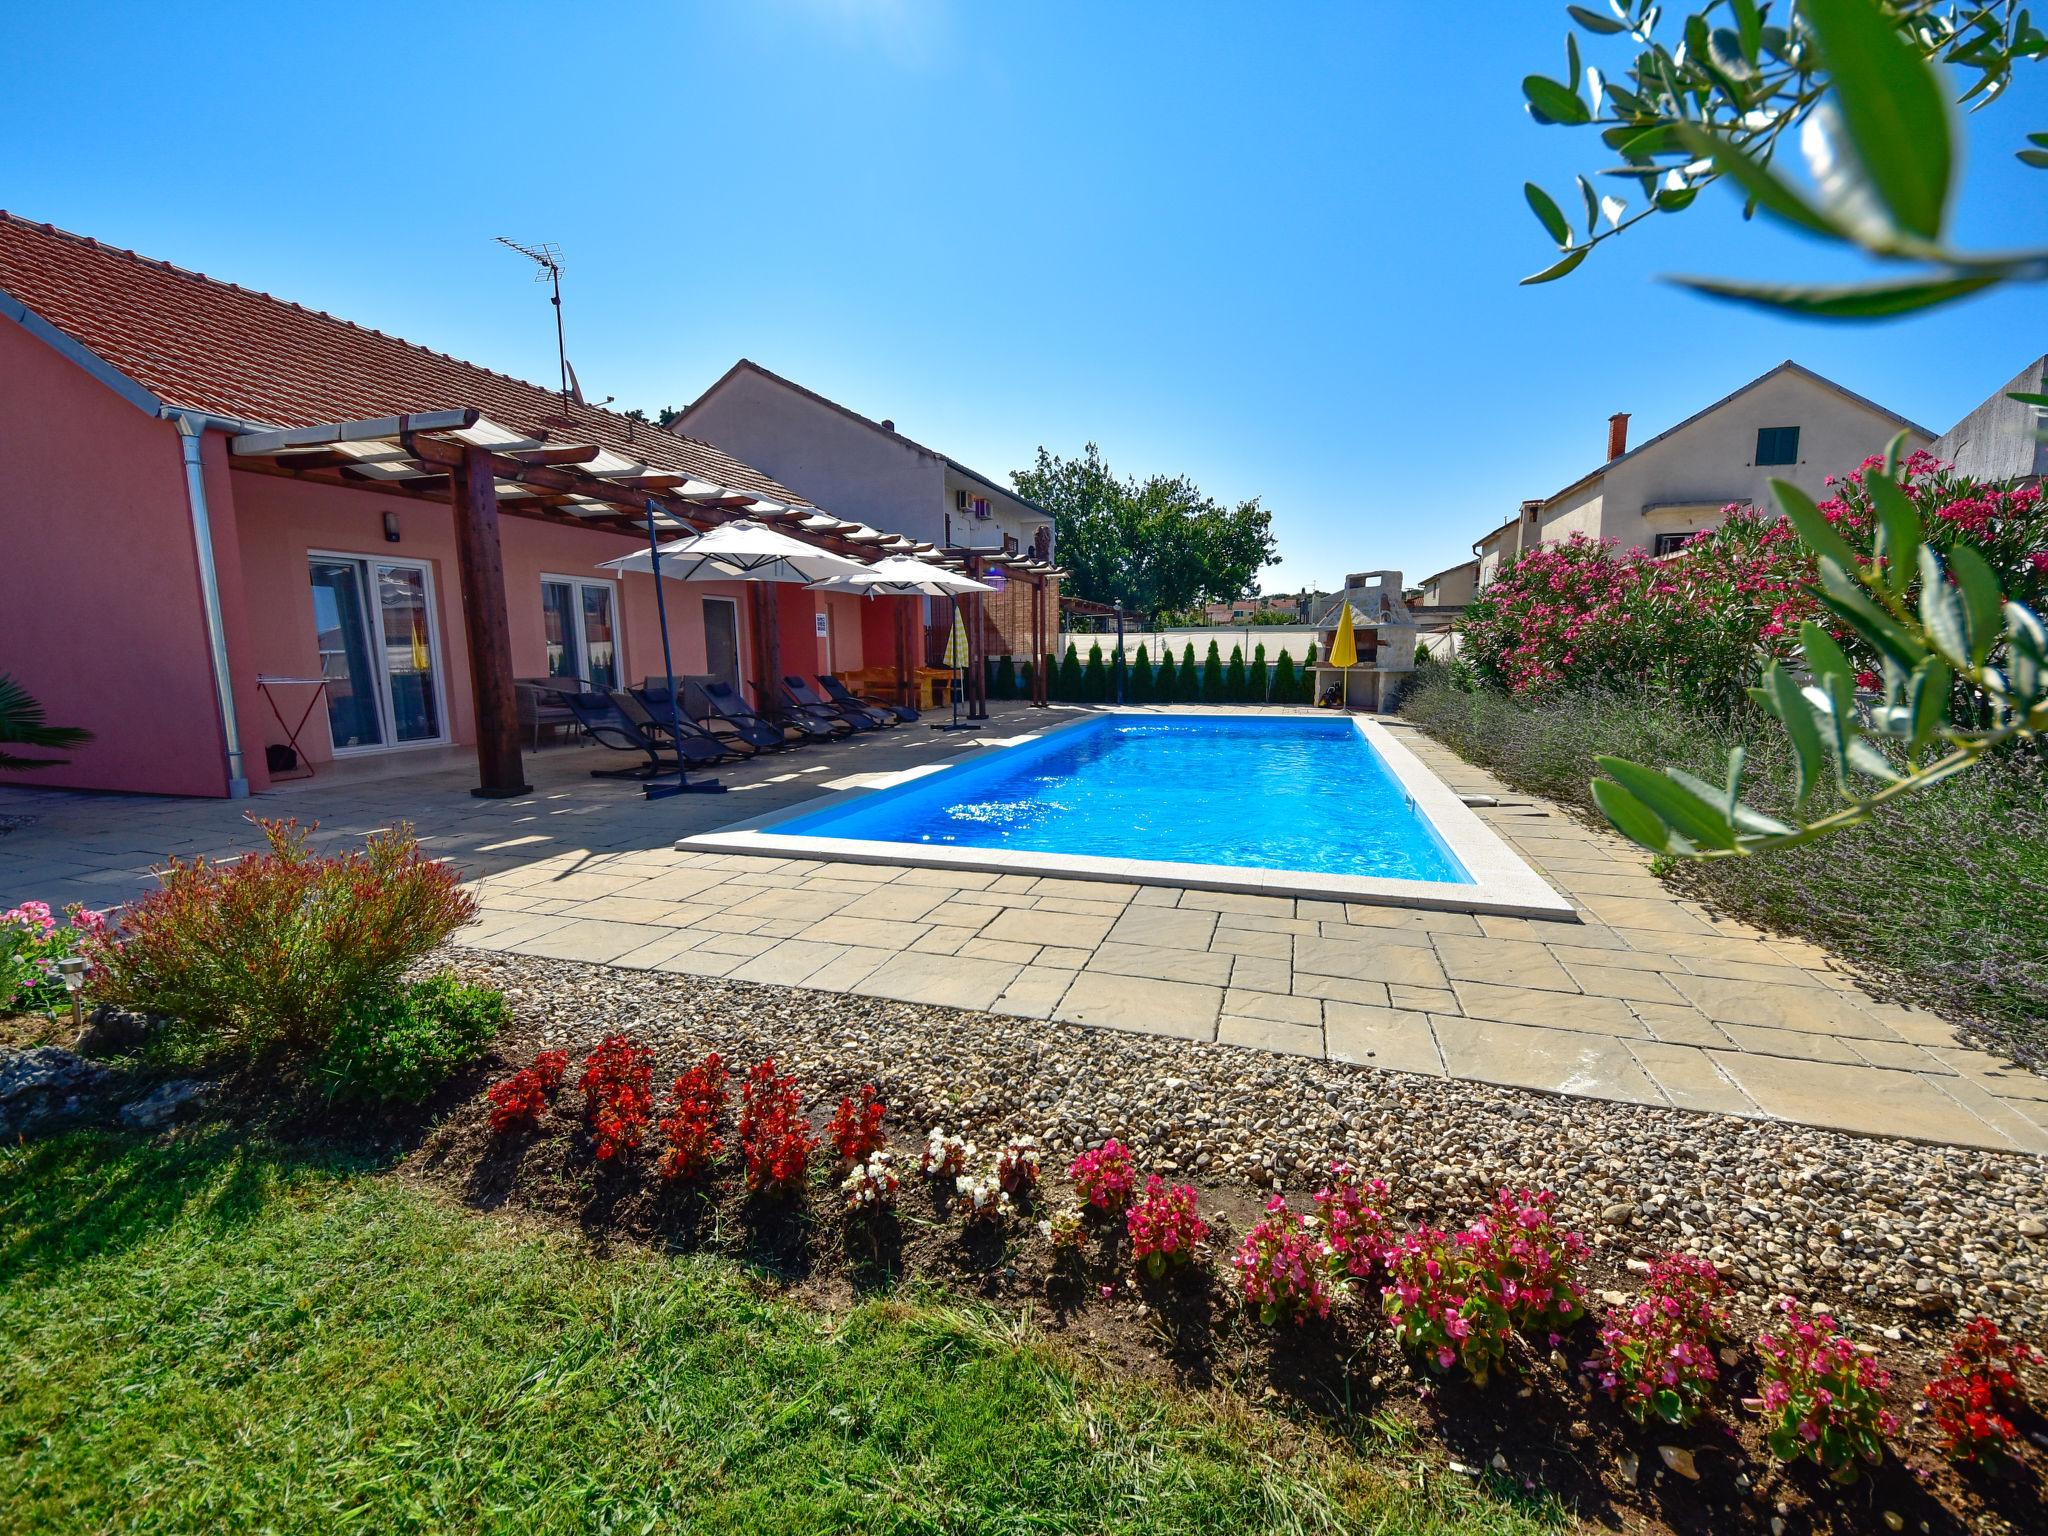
206	1336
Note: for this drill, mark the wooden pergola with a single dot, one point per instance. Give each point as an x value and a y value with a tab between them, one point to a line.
977	563
482	470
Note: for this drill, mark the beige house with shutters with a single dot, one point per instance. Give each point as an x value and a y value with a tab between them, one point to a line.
1789	423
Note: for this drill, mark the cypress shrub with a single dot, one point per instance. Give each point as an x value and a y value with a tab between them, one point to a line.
1234	685
1138	689
1095	678
1025	680
1308	676
1286	686
1257	684
1070	676
1190	677
1005	685
1166	683
1212	675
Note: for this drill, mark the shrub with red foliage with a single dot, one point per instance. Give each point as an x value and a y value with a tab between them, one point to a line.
775	1138
618	1094
520	1100
551	1067
691	1125
1977	1381
856	1129
277	947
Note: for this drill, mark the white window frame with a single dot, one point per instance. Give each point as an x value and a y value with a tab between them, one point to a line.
583	640
375	611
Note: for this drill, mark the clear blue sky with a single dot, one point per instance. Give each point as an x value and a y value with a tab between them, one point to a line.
1273	248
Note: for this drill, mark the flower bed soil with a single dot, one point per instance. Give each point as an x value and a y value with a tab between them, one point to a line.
1540	1429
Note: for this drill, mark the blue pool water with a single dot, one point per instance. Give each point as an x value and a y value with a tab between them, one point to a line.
1275	793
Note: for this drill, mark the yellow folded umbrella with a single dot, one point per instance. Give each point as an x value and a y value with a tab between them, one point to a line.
1344	649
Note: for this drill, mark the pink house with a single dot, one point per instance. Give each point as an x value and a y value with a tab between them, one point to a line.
222	514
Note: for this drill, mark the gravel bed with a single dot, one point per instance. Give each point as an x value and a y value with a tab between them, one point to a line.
1902	1238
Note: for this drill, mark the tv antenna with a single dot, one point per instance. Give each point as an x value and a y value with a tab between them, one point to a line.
547	256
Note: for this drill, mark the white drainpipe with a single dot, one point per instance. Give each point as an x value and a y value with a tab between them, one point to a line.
190	427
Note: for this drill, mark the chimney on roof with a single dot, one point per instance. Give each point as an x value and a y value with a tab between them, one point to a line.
1617	435
888	425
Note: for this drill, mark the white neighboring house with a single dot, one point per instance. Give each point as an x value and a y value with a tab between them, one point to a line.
1788	424
859	465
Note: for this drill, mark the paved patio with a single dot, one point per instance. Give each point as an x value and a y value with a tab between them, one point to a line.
1647	1000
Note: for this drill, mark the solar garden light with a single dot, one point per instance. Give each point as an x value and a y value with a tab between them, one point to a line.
71	971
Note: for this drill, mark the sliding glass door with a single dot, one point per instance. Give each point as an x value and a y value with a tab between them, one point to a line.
374	625
580	618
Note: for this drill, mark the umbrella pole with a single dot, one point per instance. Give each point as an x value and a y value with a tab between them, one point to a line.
682	785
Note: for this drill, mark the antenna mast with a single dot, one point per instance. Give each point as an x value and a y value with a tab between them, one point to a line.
548	257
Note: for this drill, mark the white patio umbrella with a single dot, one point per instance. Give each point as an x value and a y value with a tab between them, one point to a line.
737	551
902	576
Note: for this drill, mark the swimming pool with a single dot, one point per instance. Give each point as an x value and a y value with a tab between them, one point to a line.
1303	804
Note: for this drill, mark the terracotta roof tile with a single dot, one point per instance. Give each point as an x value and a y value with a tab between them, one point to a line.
207	345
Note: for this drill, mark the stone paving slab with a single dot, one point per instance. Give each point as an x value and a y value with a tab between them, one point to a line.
1649	998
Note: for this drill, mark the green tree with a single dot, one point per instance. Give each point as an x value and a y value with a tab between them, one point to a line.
1716	94
1095	677
1307	685
1147	545
1139	686
22	724
1005	684
1212	675
1190	676
1257	686
1025	680
1286	688
1234	679
1166	684
1070	676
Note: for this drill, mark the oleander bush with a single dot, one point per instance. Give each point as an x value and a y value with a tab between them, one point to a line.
397	1047
275	949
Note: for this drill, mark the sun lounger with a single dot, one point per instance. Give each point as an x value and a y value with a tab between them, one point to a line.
714	704
839	693
697	744
859	717
604	724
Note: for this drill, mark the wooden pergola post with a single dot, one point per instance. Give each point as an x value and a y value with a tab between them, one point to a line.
768	647
480	566
909	610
